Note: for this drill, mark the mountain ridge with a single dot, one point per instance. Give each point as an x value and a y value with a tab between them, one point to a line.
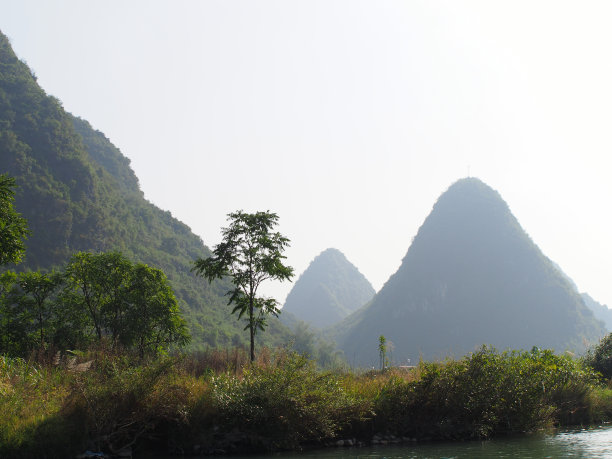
471	276
328	290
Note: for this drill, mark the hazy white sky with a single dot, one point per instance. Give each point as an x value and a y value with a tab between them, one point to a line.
347	118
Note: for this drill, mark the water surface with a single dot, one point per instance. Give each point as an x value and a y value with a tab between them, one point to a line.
583	443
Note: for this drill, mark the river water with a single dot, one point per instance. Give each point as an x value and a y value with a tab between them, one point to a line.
585	443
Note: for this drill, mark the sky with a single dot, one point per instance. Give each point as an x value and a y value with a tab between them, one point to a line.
347	118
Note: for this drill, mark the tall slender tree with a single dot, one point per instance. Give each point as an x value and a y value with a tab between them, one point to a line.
250	253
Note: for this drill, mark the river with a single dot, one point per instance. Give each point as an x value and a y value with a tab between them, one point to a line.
585	443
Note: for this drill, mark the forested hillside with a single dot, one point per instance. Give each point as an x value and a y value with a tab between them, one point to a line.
78	193
472	276
328	291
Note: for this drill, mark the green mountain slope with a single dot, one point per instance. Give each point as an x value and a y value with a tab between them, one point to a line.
472	276
329	290
78	192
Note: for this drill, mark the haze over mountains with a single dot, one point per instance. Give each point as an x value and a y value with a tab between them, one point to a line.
78	193
472	276
328	291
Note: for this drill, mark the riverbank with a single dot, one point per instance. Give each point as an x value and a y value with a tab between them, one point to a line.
217	402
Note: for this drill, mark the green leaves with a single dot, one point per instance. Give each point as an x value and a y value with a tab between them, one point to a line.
98	297
486	393
130	304
13	227
600	357
249	254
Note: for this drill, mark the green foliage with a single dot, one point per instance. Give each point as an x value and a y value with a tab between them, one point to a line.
487	393
32	423
249	254
122	403
284	405
33	293
382	351
28	312
600	357
220	400
78	193
131	304
13	227
98	297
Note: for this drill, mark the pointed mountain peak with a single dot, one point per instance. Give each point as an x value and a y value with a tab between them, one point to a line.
472	276
329	290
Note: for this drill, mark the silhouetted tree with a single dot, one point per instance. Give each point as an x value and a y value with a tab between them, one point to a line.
249	254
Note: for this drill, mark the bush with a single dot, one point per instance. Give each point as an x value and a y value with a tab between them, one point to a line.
486	393
600	357
285	405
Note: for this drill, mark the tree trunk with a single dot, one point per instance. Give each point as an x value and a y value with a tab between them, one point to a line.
252	330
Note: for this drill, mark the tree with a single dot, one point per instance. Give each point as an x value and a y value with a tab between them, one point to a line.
599	357
249	254
382	351
86	285
154	316
132	305
36	290
13	227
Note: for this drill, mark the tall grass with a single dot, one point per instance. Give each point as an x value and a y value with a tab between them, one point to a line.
219	400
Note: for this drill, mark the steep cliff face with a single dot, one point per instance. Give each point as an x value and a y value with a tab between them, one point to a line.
329	290
472	276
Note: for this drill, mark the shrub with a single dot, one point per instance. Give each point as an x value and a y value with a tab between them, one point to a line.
486	393
284	405
600	357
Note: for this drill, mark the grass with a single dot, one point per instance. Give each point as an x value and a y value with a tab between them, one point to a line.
217	400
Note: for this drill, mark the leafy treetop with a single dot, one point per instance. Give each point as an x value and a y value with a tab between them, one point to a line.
249	254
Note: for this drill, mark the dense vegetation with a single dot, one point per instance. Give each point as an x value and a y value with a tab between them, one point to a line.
13	227
328	291
471	276
78	193
96	298
219	402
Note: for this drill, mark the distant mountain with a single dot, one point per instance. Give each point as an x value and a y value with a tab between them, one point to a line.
329	290
78	192
601	311
472	276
